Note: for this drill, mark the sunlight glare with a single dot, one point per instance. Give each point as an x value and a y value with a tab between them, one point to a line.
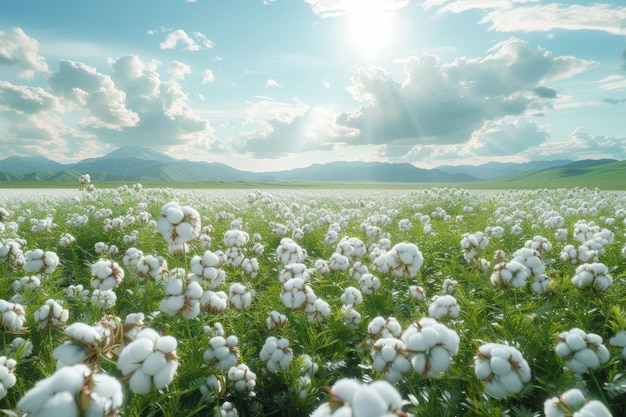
370	26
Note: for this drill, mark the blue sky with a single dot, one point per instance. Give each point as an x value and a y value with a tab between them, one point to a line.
264	85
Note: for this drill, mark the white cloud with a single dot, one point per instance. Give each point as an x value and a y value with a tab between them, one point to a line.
612	82
581	145
444	104
333	8
203	40
179	70
25	99
325	84
84	87
208	77
518	16
272	83
176	37
19	50
289	128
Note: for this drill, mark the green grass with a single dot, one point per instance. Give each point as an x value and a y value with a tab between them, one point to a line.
518	317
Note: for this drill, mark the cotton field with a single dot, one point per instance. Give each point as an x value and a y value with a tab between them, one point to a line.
142	301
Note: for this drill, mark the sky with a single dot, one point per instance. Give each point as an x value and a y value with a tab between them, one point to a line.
265	85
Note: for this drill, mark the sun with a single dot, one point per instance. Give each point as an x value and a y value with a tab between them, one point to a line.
371	26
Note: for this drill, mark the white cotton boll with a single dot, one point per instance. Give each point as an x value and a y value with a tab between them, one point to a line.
166	344
69	353
574	398
575	340
500	366
345	389
367	403
140	383
439	359
61	404
153	363
140	349
166	375
511	382
173	214
482	369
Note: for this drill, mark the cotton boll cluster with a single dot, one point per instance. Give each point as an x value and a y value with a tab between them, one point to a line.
540	244
295	270
103	299
449	286
66	240
444	307
132	257
240	296
584	231
509	275
214	302
149	362
51	314
473	244
222	353
276	320
402	260
26	283
7	375
619	340
182	296
389	359
380	328
352	248
226	409
39	262
418	293
581	351
430	346
23	346
531	259
177	224
243	379
296	293
289	252
11	249
276	353
106	275
74	391
583	254
12	316
351	317
77	291
206	270
503	369
592	275
574	403
317	311
351	398
351	296
152	266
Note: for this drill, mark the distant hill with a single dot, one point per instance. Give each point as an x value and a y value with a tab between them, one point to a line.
602	173
492	170
366	172
138	164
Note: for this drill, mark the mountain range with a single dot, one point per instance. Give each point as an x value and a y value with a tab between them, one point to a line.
138	164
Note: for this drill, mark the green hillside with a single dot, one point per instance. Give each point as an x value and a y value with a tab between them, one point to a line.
610	175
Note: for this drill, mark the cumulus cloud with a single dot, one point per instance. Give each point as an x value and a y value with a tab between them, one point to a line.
272	83
519	16
19	50
208	76
179	70
84	87
444	103
282	128
180	37
25	99
581	145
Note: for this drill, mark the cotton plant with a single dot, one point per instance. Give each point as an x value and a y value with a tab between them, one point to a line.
149	362
580	255
581	351
276	354
444	307
214	302
351	296
38	261
276	320
182	297
389	358
106	274
381	327
592	275
178	224
317	310
51	314
223	352
77	291
417	293
348	397
402	260
473	244
502	368
289	252
368	283
430	346
294	270
296	293
512	274
619	341
574	403
531	259
74	391
12	316
152	266
7	375
206	270
351	317
243	379
103	299
240	296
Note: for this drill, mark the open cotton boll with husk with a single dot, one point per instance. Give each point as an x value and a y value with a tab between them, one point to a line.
106	274
7	375
503	369
12	316
592	275
581	351
178	224
276	353
222	352
149	362
574	403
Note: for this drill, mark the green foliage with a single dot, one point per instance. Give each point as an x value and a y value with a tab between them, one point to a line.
517	317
